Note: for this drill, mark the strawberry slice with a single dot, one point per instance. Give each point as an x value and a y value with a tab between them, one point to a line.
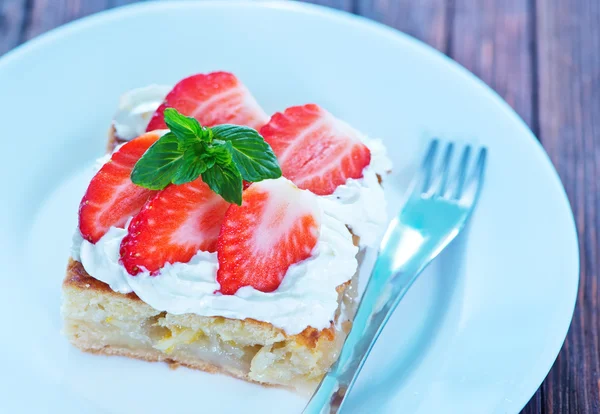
276	226
172	226
111	198
315	150
215	98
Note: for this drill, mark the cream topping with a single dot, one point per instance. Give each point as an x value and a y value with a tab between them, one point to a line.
360	203
136	108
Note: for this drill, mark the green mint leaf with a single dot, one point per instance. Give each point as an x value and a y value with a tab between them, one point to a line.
191	167
159	164
224	156
226	181
208	159
181	125
222	151
188	130
250	153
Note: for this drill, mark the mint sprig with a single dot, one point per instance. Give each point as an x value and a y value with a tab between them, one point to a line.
223	155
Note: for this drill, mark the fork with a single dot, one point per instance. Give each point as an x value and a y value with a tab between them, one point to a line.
438	205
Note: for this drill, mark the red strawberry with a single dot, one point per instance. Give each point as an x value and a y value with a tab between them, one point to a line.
213	99
315	150
111	197
173	226
276	226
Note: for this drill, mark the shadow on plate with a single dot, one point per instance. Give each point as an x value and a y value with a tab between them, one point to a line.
412	330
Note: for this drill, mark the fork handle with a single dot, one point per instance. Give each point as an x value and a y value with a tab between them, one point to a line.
385	289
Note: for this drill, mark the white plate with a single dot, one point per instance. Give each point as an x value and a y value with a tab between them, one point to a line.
477	333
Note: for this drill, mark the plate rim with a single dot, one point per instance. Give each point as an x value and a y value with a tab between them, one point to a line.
362	23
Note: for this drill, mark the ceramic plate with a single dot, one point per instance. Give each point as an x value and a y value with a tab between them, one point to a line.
476	334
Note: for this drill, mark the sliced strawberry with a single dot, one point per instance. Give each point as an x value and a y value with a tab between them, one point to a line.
315	150
213	99
173	226
111	198
276	226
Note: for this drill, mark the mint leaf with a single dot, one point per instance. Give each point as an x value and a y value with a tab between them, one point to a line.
222	151
223	155
251	154
226	181
188	130
191	167
159	164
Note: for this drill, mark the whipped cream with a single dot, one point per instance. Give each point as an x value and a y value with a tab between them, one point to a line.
136	108
306	297
360	203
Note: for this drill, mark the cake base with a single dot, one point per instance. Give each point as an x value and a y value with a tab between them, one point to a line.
101	321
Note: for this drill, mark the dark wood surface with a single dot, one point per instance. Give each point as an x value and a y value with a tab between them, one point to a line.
543	58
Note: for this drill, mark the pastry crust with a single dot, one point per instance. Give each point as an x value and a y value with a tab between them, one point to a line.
157	356
101	321
113	140
79	280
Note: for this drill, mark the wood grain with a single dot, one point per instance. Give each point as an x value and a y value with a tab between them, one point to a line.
12	20
427	20
493	39
47	14
568	35
346	5
543	58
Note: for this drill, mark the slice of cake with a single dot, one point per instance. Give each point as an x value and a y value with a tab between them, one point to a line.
102	321
285	323
184	267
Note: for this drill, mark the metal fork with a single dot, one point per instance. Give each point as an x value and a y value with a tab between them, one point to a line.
438	205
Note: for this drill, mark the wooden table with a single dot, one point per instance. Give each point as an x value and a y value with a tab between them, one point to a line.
543	58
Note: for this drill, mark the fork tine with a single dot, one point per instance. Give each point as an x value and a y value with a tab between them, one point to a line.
422	180
454	190
473	185
439	186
